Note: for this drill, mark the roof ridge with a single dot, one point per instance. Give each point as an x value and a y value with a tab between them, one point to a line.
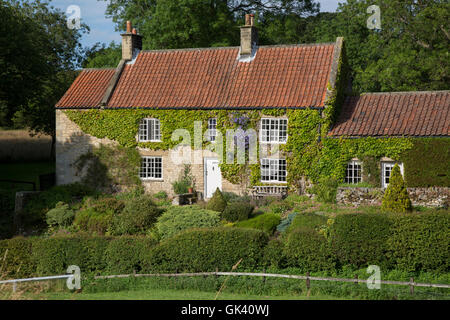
237	47
94	69
402	92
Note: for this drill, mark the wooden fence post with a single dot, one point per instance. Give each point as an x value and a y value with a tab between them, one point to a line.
356	278
411	286
264	277
308	285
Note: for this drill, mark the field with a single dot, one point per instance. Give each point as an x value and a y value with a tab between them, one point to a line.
18	145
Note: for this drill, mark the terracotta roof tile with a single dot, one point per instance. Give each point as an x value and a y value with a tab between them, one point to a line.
395	114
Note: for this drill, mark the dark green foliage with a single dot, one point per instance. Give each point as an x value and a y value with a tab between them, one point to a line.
7	200
105	204
230	196
185	181
421	241
396	197
217	202
237	211
137	217
326	189
60	216
280	207
207	249
177	219
309	220
125	254
307	249
266	222
359	239
93	221
274	254
17	263
371	171
162	195
53	255
426	163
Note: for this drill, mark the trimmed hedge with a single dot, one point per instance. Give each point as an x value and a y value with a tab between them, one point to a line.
201	250
421	241
18	261
360	239
266	222
237	211
308	250
308	220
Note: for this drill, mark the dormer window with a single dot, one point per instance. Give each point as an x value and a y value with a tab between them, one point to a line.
149	130
273	130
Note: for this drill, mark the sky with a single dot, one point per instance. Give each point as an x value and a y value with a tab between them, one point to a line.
102	29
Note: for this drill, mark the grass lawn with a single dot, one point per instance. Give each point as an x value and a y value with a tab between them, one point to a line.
24	171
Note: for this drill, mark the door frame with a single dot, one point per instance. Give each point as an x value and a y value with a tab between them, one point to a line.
205	179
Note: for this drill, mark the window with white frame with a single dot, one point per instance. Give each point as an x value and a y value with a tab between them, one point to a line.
353	172
149	130
151	168
212	129
386	170
273	170
273	130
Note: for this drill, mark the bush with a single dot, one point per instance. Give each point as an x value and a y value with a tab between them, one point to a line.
137	217
266	222
105	205
295	199
274	254
421	241
237	211
17	262
60	216
185	181
217	202
360	239
161	195
93	221
326	189
396	197
308	250
230	196
177	219
199	250
279	207
308	220
126	254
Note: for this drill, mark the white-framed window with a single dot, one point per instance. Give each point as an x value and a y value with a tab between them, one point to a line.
273	130
151	168
273	170
149	130
353	172
386	169
212	129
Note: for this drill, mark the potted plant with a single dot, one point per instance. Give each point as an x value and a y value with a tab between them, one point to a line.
190	190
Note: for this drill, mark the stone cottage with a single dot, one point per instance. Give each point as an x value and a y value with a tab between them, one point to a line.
292	96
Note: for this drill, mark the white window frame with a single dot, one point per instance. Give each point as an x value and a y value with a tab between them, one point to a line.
273	170
269	131
212	130
351	179
151	178
144	132
385	165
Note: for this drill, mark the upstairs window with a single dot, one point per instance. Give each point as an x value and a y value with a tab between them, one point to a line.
273	130
273	170
353	172
212	129
151	168
386	170
149	130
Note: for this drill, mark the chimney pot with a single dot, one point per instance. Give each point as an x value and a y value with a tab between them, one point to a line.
129	27
131	42
249	37
134	31
247	20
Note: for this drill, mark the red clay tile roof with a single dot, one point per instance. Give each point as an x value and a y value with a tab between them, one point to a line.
395	114
88	89
278	76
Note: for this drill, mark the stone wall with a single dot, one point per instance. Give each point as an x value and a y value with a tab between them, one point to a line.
71	143
428	197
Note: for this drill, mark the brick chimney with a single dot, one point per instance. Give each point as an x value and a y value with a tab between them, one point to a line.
131	42
249	36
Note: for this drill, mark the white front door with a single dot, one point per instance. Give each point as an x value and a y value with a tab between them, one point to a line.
213	177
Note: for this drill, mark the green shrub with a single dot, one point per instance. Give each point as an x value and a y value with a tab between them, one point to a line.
60	216
217	202
396	197
161	195
137	217
274	256
93	221
308	250
126	254
326	189
198	250
308	220
237	211
267	222
360	239
53	255
421	241
230	196
178	219
105	205
279	207
185	181
15	258
295	199
180	187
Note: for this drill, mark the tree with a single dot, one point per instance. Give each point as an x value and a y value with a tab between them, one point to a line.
396	197
102	56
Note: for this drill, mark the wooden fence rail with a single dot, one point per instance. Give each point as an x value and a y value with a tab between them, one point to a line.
308	278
